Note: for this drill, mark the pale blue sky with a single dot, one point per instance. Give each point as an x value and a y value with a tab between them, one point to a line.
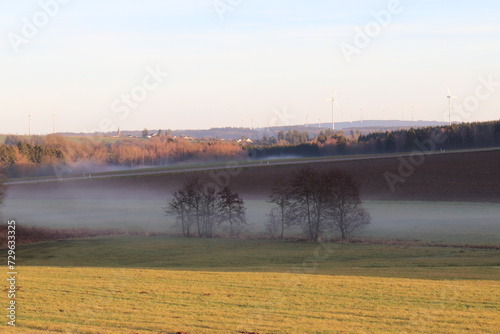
264	56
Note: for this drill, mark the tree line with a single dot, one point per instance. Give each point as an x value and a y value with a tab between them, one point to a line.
320	204
38	155
330	142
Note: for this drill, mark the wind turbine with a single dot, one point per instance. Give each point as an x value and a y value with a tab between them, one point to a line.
54	122
361	115
29	124
334	102
449	97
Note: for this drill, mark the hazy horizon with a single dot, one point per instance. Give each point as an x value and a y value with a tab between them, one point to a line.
315	127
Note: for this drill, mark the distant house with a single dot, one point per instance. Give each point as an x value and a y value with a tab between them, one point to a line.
245	140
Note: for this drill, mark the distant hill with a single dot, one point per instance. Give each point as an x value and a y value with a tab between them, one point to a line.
231	133
364	127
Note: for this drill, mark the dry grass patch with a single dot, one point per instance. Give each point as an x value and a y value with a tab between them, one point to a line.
115	300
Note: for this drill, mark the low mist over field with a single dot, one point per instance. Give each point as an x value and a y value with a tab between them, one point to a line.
136	203
446	222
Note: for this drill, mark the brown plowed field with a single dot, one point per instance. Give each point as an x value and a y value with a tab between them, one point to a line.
472	176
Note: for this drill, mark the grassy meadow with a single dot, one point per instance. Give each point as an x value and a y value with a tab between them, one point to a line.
102	300
135	284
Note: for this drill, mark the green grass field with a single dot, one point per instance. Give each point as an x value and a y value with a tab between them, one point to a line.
241	255
169	285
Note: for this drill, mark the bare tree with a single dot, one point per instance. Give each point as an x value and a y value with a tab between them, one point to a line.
188	206
344	208
205	208
310	200
282	216
318	202
210	211
193	198
181	207
273	223
232	211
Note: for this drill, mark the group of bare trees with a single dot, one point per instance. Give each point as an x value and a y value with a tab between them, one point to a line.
199	209
318	203
321	204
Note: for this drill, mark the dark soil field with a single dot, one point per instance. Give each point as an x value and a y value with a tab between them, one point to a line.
471	177
468	177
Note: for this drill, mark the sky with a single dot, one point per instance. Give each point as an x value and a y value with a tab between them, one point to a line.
195	64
